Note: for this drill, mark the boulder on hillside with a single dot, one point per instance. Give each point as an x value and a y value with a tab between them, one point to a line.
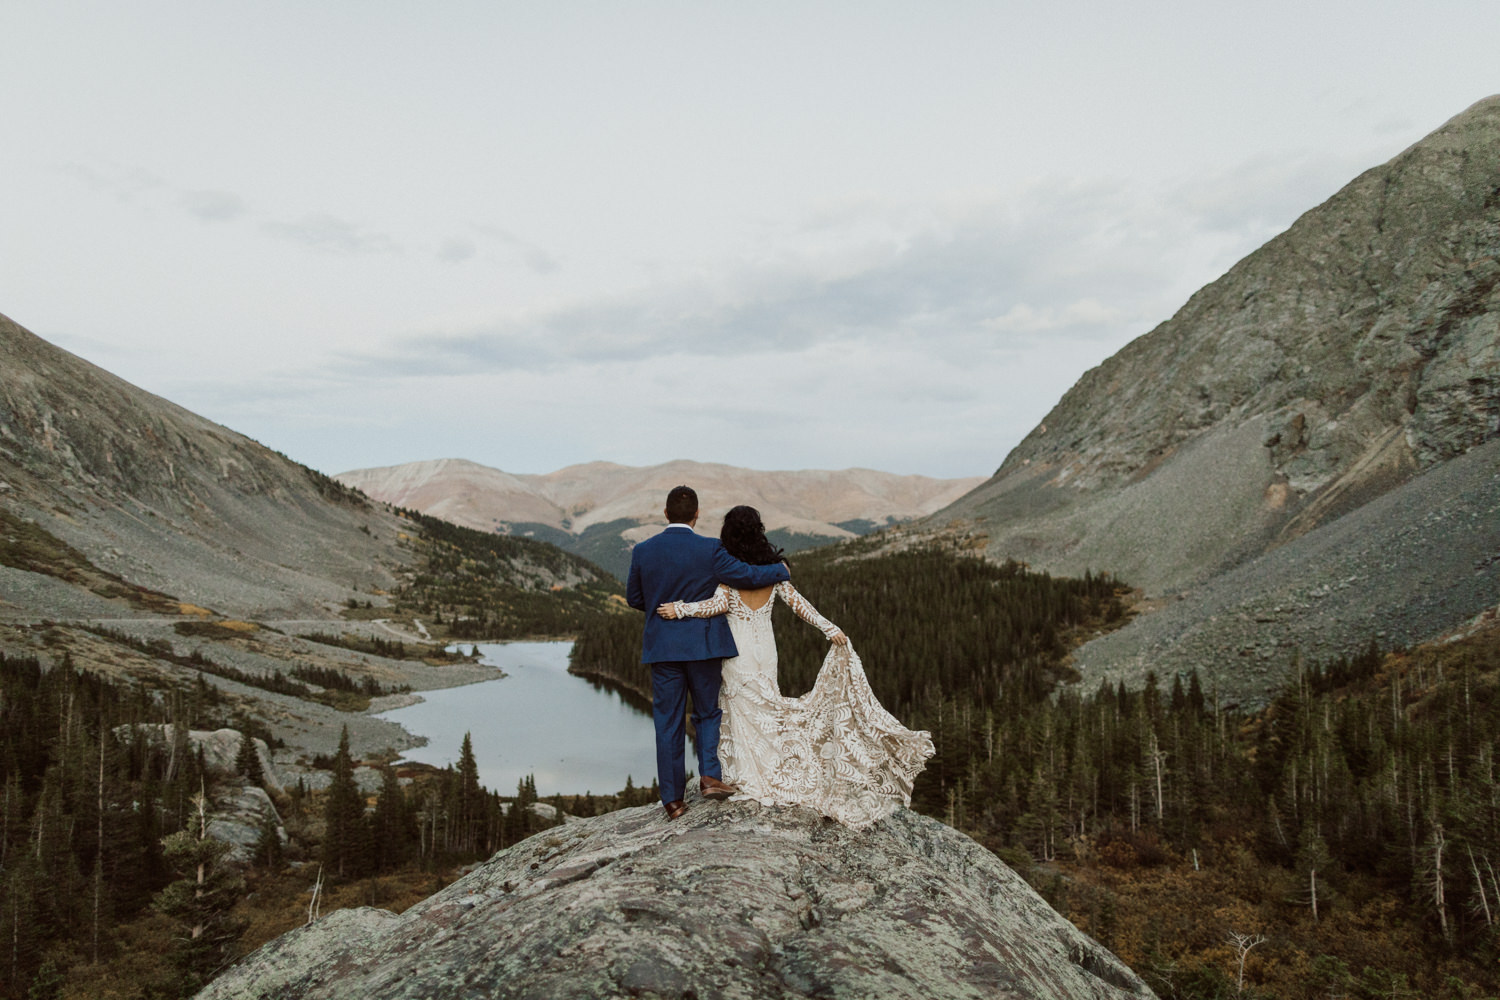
220	747
239	814
733	900
238	810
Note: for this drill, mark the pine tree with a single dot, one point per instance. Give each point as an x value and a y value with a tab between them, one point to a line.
346	838
22	933
393	824
470	798
268	844
202	897
247	760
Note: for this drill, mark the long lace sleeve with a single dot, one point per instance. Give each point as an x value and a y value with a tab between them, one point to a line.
715	605
806	611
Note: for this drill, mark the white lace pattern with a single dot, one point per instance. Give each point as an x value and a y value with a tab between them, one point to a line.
835	749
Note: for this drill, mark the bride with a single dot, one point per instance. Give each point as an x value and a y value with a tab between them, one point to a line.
835	749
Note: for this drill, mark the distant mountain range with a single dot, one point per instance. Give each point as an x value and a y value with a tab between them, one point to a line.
600	510
1221	458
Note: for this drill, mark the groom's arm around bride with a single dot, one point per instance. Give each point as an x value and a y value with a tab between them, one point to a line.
685	654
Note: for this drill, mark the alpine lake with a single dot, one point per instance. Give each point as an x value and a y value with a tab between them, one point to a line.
572	734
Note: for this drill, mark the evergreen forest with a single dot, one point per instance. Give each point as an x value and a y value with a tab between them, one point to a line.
481	585
110	885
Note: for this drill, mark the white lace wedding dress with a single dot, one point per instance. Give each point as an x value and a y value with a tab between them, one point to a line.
835	749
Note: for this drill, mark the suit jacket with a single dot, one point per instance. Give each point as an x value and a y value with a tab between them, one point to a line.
680	565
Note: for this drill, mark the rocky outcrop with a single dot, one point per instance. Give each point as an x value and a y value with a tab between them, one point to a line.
238	810
220	747
600	509
1353	351
238	817
733	900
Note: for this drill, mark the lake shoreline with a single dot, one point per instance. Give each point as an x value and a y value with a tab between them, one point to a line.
575	734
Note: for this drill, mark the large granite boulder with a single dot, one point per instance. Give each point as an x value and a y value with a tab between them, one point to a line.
220	748
732	901
240	812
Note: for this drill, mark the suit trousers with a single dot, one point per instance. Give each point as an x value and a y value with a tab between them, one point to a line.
671	684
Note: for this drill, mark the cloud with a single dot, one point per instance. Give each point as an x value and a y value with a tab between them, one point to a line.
926	338
534	257
456	249
1265	194
133	183
332	234
213	206
974	282
121	184
1022	318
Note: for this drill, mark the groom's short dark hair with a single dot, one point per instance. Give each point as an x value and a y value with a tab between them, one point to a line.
682	505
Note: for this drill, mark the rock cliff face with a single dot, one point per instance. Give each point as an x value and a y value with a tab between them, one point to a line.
1355	350
732	901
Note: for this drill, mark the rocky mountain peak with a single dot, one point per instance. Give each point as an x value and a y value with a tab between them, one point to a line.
76	428
1349	353
732	900
1368	315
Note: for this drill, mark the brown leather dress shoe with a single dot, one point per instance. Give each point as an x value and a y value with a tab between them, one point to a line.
675	809
713	788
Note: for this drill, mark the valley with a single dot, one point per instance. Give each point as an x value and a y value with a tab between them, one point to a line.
1303	456
1213	648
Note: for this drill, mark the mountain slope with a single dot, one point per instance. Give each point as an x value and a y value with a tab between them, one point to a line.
1400	570
174	502
105	487
1325	369
600	509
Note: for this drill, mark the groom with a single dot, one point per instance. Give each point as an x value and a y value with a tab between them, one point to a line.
685	654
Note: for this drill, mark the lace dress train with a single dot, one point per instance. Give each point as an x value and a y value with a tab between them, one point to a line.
835	749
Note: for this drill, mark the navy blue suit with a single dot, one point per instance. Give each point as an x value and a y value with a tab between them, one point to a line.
686	654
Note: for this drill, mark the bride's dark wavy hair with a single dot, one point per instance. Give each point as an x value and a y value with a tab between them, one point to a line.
744	537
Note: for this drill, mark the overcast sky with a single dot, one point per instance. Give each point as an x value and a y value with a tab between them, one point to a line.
778	235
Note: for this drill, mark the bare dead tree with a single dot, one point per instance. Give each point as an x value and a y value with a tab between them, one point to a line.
315	905
99	845
1158	756
1484	900
1432	869
5	828
1242	945
1489	872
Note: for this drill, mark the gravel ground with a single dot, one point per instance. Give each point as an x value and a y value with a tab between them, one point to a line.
27	597
1403	569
